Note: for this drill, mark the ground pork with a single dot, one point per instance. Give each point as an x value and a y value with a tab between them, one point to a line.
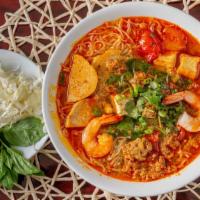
168	146
137	149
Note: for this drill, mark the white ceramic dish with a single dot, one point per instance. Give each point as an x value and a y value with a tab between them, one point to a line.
11	60
167	184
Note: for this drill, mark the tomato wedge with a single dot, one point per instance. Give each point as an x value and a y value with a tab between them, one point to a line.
149	45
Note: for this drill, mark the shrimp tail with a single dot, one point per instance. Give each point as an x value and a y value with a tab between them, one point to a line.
98	145
174	98
186	121
189	123
110	119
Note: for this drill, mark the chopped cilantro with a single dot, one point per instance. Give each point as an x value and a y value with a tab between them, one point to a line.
142	122
149	130
147	81
143	97
139	128
172	113
120	81
113	79
125	127
154	85
130	105
140	103
137	65
183	83
136	90
153	96
135	113
96	111
132	110
162	113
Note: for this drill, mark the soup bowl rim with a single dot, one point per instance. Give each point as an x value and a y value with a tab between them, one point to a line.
121	187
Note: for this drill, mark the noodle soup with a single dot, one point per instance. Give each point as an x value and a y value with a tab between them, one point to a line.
128	98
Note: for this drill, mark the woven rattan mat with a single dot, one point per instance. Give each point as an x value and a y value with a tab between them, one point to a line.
34	30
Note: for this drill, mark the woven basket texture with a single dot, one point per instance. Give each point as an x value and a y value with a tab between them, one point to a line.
34	30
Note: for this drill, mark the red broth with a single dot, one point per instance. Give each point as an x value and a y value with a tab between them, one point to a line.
144	38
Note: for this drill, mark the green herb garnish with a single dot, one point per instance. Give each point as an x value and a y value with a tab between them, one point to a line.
12	163
113	79
153	96
144	111
125	127
24	133
134	64
96	111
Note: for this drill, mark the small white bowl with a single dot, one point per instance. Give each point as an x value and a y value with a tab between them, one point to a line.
164	185
10	61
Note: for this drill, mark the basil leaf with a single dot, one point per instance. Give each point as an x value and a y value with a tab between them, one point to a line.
2	167
14	175
21	165
12	163
7	180
7	159
25	132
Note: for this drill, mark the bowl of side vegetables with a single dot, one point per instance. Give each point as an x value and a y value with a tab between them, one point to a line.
22	131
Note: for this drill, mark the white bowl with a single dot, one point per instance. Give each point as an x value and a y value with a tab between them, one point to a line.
164	185
10	61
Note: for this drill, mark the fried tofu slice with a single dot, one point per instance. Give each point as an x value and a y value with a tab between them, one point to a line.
80	114
189	66
174	39
110	54
118	102
166	62
82	80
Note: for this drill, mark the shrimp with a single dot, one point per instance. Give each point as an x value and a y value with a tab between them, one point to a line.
95	145
188	122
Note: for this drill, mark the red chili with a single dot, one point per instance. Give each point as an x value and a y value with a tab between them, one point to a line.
156	146
182	134
149	45
154	137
